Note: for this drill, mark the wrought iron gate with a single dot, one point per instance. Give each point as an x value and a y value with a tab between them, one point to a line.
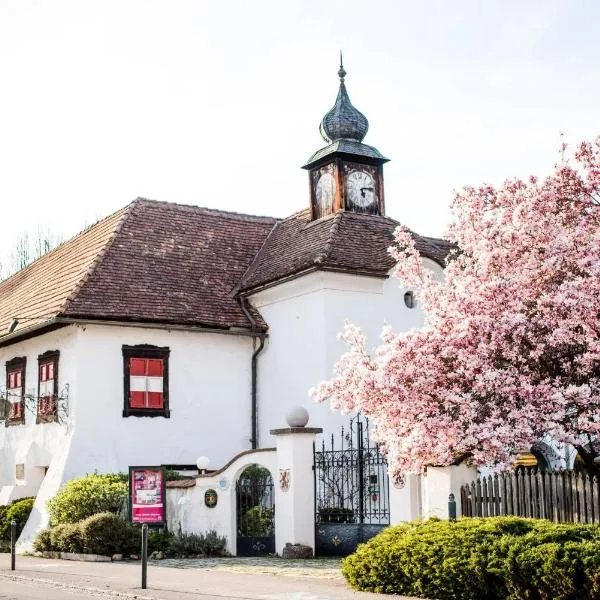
255	503
351	490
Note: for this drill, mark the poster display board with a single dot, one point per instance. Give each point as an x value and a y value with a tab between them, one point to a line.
147	495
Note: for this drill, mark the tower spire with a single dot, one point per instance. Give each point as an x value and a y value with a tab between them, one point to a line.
343	121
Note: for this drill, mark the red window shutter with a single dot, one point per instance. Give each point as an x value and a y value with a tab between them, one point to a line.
11	380
137	399
155	367
43	373
137	367
18	379
155	400
15	412
50	370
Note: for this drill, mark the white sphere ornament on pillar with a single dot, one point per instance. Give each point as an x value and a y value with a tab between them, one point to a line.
202	463
297	417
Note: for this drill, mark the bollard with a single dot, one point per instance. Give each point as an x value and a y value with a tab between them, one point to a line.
13	544
451	507
144	555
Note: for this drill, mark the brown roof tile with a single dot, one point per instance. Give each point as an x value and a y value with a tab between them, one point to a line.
38	292
171	263
344	241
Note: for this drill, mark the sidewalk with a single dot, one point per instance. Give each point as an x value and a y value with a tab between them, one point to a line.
235	579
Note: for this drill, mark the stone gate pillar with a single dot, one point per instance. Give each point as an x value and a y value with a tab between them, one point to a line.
295	483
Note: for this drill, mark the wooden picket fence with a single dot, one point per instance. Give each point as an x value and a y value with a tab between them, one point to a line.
561	496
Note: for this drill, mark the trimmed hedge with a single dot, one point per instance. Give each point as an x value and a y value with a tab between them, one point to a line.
502	558
19	511
86	496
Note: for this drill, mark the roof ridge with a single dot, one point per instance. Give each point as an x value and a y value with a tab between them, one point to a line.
219	211
237	287
327	248
127	210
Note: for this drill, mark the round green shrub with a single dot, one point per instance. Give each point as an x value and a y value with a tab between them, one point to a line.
43	541
480	559
66	538
81	498
105	533
18	511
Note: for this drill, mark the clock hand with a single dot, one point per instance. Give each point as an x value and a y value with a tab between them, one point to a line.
362	190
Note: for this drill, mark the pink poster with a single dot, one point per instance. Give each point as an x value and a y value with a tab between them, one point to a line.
147	495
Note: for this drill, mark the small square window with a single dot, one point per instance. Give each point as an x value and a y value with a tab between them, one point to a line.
47	387
146	381
15	391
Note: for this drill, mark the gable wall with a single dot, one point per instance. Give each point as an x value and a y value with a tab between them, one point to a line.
305	316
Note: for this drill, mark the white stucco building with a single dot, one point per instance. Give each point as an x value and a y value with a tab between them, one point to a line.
165	332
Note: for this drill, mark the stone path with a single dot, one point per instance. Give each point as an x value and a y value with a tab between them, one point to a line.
329	568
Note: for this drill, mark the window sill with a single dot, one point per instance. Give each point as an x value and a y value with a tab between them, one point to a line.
12	422
147	412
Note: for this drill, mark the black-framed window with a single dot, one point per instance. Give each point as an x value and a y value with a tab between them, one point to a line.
15	390
47	403
146	381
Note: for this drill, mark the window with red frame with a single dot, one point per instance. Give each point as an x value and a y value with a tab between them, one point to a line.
15	388
47	385
146	381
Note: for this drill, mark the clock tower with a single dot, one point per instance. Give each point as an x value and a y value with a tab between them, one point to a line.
346	174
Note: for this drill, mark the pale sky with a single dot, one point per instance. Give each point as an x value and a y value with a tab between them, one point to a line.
218	103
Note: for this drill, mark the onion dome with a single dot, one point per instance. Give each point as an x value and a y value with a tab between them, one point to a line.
343	121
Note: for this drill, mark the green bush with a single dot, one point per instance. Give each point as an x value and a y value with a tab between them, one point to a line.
43	541
106	533
192	545
81	498
480	559
18	511
67	538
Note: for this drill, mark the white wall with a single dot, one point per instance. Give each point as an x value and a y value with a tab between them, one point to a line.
209	400
33	444
304	316
187	512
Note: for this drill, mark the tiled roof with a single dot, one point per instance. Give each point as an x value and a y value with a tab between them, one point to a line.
171	263
174	264
344	241
38	292
151	261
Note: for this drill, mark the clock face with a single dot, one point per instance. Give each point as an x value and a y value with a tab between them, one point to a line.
325	191
360	189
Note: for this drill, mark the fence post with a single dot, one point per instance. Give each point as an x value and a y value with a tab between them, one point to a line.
144	555
13	543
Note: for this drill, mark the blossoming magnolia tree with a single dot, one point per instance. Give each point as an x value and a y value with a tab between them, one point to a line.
511	344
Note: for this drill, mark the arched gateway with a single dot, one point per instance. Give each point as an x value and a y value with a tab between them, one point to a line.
255	512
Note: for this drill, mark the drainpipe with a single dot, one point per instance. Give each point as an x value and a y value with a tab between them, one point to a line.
254	364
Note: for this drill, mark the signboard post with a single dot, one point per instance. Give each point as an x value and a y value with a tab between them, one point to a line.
147	496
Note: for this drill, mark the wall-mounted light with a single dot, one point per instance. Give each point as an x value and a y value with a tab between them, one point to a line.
13	325
410	300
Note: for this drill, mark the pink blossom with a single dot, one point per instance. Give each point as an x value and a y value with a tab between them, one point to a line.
510	349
